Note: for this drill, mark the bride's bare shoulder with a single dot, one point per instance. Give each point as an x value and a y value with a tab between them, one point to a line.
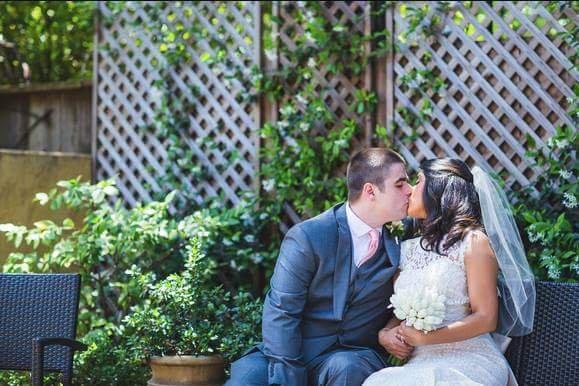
478	246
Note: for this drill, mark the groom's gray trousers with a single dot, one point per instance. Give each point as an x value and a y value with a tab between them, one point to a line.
322	314
342	367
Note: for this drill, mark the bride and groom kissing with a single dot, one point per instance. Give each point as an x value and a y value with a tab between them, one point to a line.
327	318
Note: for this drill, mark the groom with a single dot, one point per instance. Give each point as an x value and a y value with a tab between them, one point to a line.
324	318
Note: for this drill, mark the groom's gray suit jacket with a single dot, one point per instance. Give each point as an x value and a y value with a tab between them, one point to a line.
319	300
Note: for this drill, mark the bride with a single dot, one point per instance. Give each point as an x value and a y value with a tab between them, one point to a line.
470	251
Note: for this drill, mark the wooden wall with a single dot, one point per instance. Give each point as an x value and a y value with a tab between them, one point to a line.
49	117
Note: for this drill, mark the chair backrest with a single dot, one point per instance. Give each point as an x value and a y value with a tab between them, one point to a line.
550	354
37	305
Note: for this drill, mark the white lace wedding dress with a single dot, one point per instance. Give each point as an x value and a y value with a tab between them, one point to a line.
475	361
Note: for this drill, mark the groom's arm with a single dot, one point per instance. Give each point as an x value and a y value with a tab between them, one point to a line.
388	336
283	308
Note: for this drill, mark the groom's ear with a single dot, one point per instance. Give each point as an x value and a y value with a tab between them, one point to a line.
369	190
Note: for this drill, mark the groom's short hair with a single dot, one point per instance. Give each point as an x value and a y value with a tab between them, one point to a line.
370	165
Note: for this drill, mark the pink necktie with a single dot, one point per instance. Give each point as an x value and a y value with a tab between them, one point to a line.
372	247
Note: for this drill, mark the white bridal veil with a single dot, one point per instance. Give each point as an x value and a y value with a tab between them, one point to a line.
516	282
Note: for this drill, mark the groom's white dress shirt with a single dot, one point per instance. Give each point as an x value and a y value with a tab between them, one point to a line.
360	237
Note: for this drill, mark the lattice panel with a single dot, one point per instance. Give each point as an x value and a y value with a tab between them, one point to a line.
338	88
508	75
221	124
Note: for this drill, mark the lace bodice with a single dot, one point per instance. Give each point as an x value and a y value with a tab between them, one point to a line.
446	272
474	361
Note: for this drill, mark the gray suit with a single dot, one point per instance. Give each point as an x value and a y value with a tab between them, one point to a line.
322	314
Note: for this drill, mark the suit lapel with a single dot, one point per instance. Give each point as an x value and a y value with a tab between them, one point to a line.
392	245
343	263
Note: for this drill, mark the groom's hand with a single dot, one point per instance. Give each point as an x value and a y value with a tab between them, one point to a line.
389	340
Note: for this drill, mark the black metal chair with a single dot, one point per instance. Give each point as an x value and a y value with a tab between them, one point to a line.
550	354
38	316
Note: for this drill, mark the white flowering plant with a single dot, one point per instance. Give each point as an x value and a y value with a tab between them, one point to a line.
548	211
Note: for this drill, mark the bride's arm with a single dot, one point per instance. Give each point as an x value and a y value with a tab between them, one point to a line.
481	272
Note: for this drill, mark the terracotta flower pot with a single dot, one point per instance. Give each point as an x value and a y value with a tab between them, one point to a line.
187	370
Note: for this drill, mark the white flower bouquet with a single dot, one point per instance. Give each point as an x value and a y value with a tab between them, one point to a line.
423	308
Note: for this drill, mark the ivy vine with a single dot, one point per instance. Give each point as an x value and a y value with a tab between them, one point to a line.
304	151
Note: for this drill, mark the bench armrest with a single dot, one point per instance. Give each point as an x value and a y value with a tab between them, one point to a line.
38	345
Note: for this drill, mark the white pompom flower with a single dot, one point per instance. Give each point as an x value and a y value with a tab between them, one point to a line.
421	307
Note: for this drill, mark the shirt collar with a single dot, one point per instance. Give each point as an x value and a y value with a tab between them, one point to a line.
357	226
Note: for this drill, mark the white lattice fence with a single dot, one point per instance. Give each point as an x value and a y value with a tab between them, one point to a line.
220	123
508	76
338	89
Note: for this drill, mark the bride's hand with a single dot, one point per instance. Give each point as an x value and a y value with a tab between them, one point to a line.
387	337
411	335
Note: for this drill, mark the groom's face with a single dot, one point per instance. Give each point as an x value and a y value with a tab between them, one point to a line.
392	200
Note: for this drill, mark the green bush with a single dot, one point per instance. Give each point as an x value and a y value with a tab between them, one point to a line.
185	314
110	240
54	39
110	245
108	360
548	210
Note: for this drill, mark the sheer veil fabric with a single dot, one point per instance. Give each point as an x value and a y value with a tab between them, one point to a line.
516	283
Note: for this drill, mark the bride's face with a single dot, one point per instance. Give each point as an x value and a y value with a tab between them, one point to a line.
416	207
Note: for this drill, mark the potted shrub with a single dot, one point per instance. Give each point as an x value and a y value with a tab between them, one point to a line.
185	326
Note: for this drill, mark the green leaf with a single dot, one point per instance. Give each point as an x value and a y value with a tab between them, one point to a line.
98	196
18	240
42	198
68	223
531	144
36	13
64	184
110	190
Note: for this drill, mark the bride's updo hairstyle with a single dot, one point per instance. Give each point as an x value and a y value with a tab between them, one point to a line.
451	203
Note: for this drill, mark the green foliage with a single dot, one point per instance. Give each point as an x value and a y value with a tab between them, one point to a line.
108	242
106	248
137	300
52	39
238	247
307	135
423	84
292	152
22	378
184	314
548	210
423	21
304	152
109	360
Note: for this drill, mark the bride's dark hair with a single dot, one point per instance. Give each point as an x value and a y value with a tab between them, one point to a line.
451	203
